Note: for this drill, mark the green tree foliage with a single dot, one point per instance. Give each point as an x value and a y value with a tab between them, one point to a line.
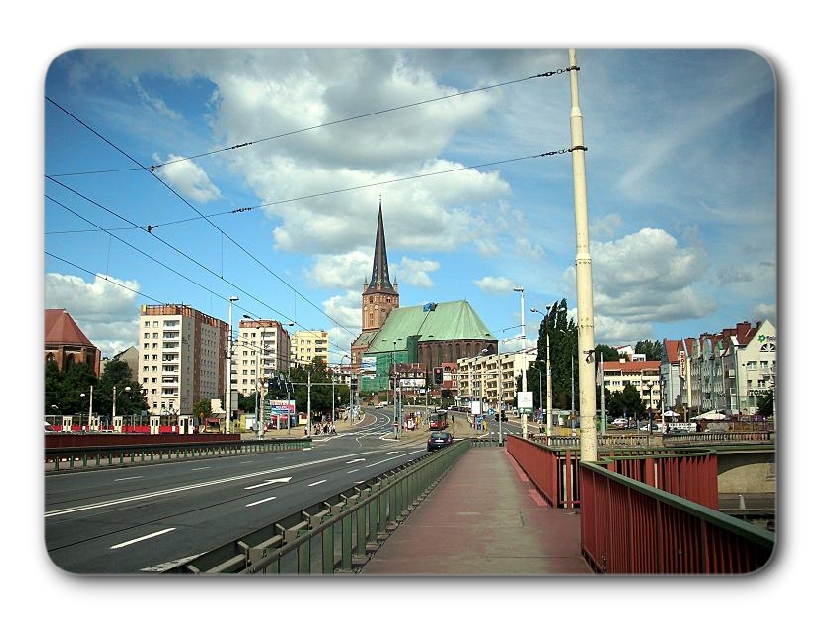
247	404
603	352
562	335
653	350
626	403
64	389
201	410
765	403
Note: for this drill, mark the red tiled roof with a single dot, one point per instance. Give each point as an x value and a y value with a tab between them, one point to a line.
61	329
631	367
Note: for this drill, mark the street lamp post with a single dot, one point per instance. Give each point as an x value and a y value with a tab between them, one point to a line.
89	418
548	393
231	300
114	399
523	336
650	385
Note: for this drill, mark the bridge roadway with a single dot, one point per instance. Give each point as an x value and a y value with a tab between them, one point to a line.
483	518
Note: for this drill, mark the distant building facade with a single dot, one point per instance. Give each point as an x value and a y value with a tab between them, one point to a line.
128	356
66	344
262	350
407	343
182	356
306	345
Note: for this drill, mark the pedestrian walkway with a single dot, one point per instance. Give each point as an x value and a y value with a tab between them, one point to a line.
483	518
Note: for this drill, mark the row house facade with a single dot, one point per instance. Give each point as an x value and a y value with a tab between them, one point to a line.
727	371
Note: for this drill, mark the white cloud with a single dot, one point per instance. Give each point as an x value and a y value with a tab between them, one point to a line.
495	285
415	272
187	178
103	310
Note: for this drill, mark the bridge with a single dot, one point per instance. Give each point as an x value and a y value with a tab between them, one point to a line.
525	506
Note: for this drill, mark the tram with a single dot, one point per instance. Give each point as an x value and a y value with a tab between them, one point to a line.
437	421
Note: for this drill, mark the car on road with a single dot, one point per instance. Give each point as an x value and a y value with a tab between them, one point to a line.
438	439
654	427
620	422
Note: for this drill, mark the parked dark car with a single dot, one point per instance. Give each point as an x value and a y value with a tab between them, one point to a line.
438	440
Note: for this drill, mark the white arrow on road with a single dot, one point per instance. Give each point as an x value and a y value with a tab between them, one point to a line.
268	482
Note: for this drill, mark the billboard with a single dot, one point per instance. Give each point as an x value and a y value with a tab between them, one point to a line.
283	407
369	365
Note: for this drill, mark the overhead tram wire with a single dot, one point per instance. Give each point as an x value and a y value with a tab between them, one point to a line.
244	250
106	278
152	168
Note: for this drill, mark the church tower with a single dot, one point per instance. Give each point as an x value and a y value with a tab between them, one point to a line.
380	295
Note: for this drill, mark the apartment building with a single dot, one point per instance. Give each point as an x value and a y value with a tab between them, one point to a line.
726	371
306	345
262	349
491	378
182	357
644	376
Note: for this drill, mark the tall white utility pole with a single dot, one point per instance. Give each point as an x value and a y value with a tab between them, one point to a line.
231	299
584	279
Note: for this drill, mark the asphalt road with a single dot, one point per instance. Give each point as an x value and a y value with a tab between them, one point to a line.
144	518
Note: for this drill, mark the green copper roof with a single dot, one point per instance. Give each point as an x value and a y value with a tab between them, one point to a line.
454	320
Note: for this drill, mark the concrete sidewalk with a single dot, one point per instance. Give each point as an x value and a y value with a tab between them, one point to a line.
483	518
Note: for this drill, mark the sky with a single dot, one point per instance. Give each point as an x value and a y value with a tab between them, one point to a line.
677	165
189	175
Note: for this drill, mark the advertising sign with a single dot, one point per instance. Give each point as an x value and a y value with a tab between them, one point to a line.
525	401
411	383
283	407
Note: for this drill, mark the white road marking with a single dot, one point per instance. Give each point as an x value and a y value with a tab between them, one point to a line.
260	502
142	538
269	482
210	483
130	478
314	484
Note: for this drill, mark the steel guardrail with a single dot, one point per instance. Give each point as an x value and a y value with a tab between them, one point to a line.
338	535
90	457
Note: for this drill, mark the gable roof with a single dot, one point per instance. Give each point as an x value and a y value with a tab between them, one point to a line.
434	322
61	329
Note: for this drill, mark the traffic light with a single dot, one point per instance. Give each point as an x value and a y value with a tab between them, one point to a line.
437	376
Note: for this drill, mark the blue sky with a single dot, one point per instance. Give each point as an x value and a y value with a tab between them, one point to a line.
681	173
644	158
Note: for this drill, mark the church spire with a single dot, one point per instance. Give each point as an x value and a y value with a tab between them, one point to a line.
380	268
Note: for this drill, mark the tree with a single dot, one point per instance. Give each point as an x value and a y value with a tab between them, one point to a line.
653	350
201	410
603	352
765	403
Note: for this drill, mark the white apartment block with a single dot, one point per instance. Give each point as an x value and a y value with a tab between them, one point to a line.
306	345
181	357
492	377
262	348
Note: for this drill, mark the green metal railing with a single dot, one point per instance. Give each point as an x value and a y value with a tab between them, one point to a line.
86	457
338	535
